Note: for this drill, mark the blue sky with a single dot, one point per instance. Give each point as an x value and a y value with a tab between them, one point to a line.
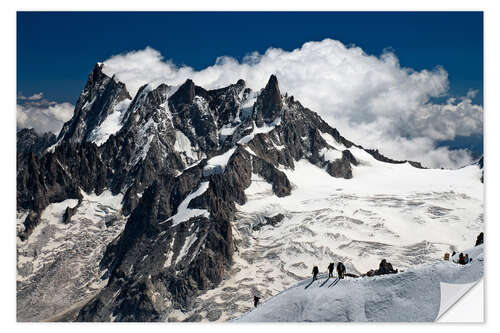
55	51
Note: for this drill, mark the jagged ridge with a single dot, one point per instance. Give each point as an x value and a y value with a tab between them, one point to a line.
175	142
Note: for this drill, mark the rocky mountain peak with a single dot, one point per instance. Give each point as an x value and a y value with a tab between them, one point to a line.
272	83
100	98
269	103
96	76
185	94
480	162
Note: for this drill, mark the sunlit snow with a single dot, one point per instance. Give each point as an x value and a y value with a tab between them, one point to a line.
111	124
184	213
412	295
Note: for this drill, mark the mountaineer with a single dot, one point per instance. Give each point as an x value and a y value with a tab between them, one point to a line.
340	270
330	269
315	272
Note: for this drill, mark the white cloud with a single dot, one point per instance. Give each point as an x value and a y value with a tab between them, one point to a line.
372	100
33	97
44	116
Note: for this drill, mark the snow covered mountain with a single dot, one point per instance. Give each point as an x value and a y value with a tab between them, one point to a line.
413	295
181	203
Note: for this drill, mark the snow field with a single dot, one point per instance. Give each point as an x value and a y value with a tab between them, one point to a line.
58	265
413	295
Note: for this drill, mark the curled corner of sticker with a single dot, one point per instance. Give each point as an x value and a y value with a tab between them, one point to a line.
451	293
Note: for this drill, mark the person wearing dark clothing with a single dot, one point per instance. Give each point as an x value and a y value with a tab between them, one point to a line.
315	272
340	270
480	239
390	269
370	273
385	268
330	269
453	254
466	259
256	301
461	259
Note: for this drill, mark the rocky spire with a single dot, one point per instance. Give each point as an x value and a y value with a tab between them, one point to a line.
269	103
97	100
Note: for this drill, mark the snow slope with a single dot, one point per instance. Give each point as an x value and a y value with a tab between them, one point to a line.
413	295
112	124
407	215
184	213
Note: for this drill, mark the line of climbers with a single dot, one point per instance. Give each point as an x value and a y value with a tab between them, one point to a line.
383	268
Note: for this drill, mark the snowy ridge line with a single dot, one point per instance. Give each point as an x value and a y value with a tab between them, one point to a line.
297	285
412	295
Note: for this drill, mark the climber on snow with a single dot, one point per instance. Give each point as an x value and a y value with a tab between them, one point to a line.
315	272
340	270
256	301
386	268
461	259
330	269
383	268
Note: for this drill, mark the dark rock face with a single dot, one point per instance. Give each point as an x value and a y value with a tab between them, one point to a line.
225	102
341	168
69	212
479	239
29	141
480	164
281	184
99	97
269	220
269	103
378	156
157	160
39	182
180	278
184	95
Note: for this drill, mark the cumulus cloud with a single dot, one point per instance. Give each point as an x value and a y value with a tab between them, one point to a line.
372	100
42	115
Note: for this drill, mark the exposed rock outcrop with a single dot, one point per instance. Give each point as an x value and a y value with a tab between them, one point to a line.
269	103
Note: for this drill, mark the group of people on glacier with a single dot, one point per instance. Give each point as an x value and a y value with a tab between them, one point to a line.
464	259
385	267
